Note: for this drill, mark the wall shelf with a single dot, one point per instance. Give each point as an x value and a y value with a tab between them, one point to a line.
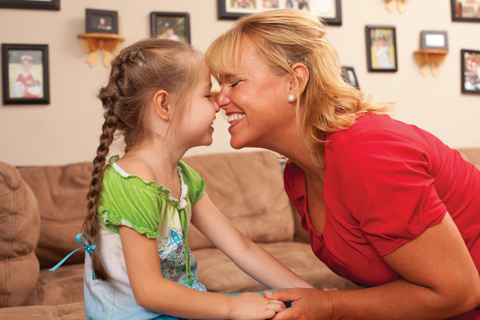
93	43
430	58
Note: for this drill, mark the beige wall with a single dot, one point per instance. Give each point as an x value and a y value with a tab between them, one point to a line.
67	130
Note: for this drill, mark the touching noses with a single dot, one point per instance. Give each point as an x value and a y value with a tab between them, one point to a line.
222	99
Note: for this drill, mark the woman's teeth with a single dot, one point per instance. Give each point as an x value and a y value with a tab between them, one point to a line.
235	117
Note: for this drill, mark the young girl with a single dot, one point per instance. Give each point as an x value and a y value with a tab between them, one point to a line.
140	205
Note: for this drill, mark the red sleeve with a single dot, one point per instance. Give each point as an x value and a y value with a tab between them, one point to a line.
387	186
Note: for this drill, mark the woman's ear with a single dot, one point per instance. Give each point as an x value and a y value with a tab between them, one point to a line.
302	75
161	103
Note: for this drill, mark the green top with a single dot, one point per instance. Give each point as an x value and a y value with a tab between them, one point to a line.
149	209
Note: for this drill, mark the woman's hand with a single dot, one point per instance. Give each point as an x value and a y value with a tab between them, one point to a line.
306	304
255	306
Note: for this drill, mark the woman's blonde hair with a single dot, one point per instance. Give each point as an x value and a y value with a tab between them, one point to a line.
137	73
288	36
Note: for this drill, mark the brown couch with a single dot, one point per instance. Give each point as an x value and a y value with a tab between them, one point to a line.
42	209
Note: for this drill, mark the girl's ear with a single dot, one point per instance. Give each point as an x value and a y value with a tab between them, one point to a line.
161	103
302	75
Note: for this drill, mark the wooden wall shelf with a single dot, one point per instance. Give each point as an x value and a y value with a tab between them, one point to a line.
93	43
430	58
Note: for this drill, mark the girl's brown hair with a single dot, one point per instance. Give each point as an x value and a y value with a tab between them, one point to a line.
288	36
137	73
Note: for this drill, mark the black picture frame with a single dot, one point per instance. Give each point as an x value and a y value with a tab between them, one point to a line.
381	45
101	21
434	40
466	12
350	77
31	4
329	11
170	25
470	70
25	74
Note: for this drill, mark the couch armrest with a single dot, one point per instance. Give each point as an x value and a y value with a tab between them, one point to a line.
19	234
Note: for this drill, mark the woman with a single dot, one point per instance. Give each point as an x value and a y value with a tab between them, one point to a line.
386	204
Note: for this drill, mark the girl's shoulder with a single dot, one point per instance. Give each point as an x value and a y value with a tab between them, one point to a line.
137	167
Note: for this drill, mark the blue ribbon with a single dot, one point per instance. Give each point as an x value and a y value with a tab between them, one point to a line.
86	245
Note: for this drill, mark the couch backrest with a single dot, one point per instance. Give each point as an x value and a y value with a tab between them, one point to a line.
472	155
248	189
61	193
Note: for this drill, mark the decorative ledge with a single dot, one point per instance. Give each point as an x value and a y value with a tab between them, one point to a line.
430	58
94	42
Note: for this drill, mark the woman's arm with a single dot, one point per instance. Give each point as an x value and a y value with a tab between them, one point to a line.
439	280
250	257
156	293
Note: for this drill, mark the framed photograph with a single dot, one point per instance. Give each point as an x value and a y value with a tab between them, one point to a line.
433	40
25	75
465	10
470	60
101	21
31	4
381	48
329	10
170	25
350	77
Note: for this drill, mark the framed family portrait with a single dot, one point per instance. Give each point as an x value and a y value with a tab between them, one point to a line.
433	40
101	21
31	4
465	10
470	60
328	10
170	25
381	48
349	76
25	75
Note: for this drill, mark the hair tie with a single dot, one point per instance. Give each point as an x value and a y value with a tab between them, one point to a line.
87	246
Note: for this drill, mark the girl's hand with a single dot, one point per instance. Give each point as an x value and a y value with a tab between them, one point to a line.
255	306
307	304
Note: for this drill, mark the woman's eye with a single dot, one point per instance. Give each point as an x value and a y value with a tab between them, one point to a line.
233	85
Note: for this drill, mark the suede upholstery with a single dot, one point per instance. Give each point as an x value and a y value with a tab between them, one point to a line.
42	209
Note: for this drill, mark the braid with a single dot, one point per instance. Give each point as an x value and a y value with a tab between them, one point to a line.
92	222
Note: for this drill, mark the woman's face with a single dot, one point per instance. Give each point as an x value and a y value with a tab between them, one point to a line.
256	105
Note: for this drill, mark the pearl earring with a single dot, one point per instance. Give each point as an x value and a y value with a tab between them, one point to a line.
291	98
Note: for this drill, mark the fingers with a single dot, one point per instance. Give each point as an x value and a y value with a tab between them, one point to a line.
276	305
282	295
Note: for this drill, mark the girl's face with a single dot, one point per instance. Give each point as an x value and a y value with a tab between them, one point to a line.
195	125
256	105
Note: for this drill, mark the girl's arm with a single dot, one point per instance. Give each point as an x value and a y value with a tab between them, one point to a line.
250	257
439	280
156	293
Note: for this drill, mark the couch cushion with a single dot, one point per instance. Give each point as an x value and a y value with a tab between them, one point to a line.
472	155
247	187
19	233
72	311
61	192
219	274
63	286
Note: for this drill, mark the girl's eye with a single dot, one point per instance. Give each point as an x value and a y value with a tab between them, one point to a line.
208	96
233	85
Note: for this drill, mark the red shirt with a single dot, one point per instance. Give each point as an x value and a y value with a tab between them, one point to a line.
385	183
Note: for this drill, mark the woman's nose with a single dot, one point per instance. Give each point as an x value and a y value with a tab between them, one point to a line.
222	99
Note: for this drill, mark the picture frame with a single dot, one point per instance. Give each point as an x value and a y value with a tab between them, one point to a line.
329	11
25	74
470	71
31	4
463	11
170	25
381	44
101	21
350	77
433	40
